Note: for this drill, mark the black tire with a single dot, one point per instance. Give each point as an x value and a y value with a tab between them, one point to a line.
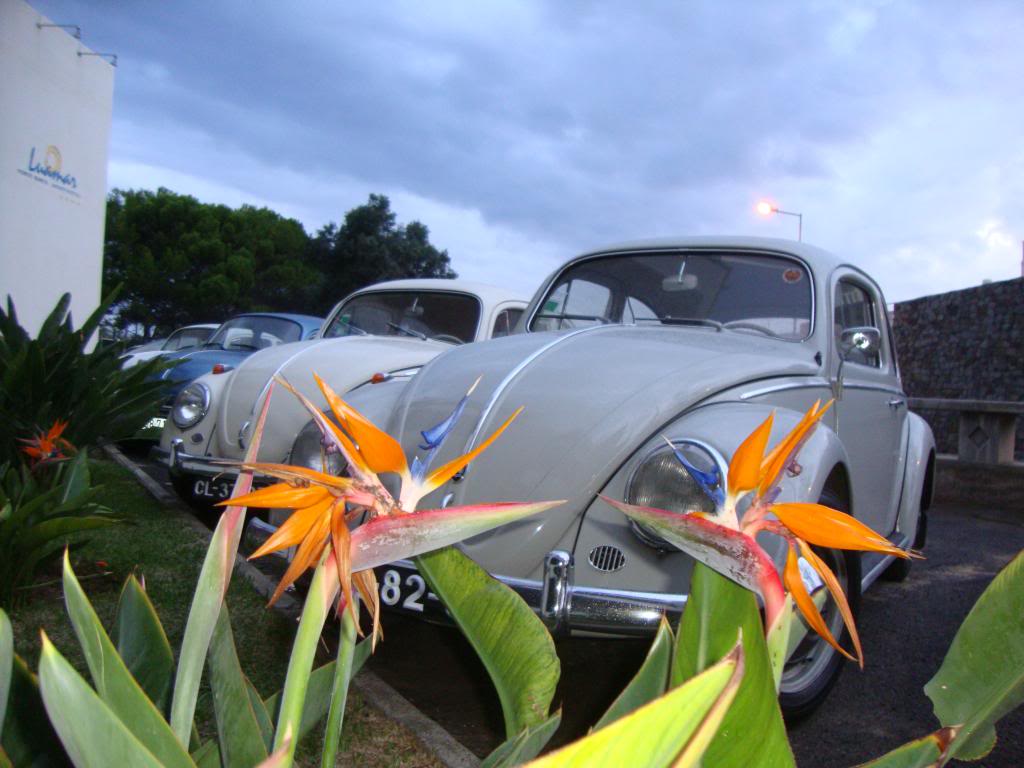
815	665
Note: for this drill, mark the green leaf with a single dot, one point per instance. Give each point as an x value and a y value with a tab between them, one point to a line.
114	683
27	736
339	688
76	482
91	733
922	753
525	746
715	609
650	681
982	677
259	709
142	644
238	730
6	663
661	733
524	672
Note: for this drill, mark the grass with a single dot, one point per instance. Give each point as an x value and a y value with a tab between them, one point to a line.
161	547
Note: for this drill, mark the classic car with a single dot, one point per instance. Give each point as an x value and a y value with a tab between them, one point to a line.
691	341
232	342
185	338
388	331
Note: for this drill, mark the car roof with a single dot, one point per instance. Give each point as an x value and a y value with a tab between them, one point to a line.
491	294
820	260
306	321
196	325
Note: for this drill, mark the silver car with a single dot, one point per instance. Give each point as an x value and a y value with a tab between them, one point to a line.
694	341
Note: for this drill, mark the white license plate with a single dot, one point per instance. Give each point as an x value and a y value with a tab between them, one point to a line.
218	490
157	422
403	588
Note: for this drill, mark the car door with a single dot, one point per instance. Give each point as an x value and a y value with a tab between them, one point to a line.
870	406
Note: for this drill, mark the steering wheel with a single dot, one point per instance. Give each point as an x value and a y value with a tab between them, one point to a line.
450	338
747	325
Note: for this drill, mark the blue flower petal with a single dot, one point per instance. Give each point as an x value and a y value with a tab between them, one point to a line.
709	482
434	436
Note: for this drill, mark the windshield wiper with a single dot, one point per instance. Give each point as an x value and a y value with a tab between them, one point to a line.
403	329
670	320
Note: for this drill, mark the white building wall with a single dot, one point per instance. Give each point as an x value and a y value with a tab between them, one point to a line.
55	109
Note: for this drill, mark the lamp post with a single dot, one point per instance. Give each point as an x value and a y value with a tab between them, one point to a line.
767	209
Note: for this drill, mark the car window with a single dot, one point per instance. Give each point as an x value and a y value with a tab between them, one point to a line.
452	317
855	309
749	293
574	303
187	338
505	322
254	332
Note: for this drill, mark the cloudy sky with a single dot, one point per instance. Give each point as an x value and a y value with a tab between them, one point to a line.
524	132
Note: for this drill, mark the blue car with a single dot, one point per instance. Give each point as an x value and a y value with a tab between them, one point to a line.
232	342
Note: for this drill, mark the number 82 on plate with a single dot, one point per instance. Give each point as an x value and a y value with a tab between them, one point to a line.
403	589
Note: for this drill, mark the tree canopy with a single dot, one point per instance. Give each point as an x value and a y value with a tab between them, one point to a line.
183	261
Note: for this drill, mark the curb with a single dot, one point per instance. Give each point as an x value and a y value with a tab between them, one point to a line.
376	692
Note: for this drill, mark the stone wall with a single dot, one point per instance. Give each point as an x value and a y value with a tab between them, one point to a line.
966	344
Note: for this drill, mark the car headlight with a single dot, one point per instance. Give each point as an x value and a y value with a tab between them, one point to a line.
661	481
308	450
191	405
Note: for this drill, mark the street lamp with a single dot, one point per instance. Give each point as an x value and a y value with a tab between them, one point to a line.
767	209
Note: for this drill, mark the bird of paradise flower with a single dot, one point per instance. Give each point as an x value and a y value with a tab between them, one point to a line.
49	445
326	505
725	543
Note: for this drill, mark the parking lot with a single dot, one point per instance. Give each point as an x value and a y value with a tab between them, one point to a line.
905	628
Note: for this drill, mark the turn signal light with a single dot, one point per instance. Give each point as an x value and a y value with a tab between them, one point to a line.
379	378
220	368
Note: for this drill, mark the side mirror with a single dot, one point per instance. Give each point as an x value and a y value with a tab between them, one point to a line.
865	340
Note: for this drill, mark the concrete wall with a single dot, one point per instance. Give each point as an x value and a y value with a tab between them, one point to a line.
55	109
966	344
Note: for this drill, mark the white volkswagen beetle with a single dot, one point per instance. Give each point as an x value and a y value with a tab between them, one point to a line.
692	340
388	330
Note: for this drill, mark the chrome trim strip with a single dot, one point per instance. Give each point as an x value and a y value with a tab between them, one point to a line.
514	373
872	576
808	384
875	388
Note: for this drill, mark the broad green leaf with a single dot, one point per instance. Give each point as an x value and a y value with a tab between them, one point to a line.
339	688
6	663
526	746
922	753
5	761
715	610
982	677
397	537
238	730
782	640
650	681
76	481
524	672
27	736
259	709
91	733
142	644
214	578
114	683
656	734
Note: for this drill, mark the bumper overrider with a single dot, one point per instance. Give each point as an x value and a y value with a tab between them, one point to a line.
563	606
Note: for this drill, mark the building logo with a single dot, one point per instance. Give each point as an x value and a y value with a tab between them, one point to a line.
48	167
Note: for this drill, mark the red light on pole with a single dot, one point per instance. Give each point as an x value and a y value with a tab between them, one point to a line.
767	209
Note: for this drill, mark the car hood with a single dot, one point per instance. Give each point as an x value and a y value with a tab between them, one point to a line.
590	399
343	363
189	366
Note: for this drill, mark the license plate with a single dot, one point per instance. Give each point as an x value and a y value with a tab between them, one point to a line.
214	490
157	422
403	589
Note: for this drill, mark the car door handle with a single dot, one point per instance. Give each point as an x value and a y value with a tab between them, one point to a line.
897	402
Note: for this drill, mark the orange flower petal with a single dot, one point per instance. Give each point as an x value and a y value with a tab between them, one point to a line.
294	529
837	594
309	551
831	528
366	583
443	474
795	585
380	450
780	455
745	467
280	495
340	541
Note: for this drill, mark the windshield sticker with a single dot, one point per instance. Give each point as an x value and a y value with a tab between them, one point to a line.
793	275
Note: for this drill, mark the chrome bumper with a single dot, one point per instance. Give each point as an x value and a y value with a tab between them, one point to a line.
179	462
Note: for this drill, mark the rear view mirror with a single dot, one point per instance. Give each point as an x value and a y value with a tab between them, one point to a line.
679	283
865	340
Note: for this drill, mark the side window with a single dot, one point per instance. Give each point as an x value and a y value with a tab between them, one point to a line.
574	304
856	309
505	322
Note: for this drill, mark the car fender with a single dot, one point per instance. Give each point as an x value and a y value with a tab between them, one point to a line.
918	477
198	436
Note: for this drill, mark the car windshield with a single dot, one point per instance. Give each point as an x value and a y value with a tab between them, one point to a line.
252	332
186	338
451	317
753	293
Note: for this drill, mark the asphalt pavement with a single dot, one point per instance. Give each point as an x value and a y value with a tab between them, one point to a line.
905	629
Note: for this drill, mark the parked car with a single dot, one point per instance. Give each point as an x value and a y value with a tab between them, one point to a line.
185	338
388	330
692	340
232	342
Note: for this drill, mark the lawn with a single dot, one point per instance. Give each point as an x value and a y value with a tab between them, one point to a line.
163	549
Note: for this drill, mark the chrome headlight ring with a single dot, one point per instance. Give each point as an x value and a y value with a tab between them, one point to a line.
309	450
659	480
191	405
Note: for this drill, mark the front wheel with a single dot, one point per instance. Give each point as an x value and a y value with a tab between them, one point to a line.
814	665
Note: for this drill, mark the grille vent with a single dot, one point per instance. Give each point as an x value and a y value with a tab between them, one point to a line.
606	558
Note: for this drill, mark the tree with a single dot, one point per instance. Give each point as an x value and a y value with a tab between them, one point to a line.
370	247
